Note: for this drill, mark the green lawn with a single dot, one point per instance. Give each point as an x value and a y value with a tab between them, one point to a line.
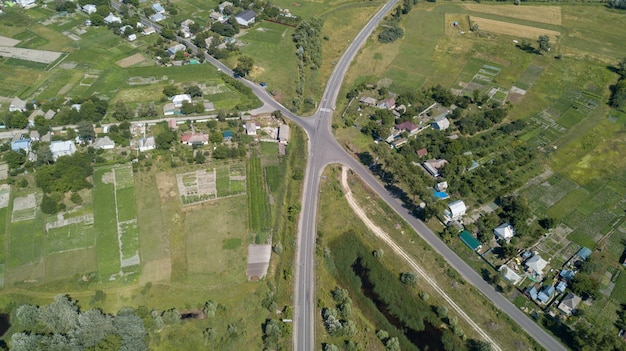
26	242
126	207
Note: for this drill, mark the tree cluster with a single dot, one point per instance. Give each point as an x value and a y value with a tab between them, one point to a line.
308	40
618	91
62	326
68	173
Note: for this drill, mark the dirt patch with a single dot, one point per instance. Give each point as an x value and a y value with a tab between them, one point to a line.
4	41
512	29
66	88
5	192
157	271
166	184
108	178
24	203
131	60
542	14
41	56
4	171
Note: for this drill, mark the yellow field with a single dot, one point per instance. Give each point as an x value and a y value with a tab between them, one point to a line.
512	29
542	14
131	60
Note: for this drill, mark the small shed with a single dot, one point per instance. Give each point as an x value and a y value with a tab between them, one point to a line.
584	253
228	135
470	240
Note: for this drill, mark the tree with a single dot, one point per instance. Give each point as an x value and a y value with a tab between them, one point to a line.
44	155
193	90
474	27
585	285
544	43
392	344
408	278
48	205
86	131
165	139
122	112
187	108
26	316
390	34
244	65
621	67
15	158
93	327
171	90
215	137
61	316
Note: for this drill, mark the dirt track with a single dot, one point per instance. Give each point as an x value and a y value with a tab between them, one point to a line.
399	251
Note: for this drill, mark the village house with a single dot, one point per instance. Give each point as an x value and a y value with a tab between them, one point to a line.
433	166
62	148
504	232
369	101
510	274
149	30
157	17
251	128
158	8
33	115
111	18
146	144
104	143
194	139
536	264
21	143
441	123
283	133
407	127
178	100
217	16
176	48
387	104
89	9
49	115
17	104
545	294
443	186
456	209
224	5
422	152
246	18
25	3
569	303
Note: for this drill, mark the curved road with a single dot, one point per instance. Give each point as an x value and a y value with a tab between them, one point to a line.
324	150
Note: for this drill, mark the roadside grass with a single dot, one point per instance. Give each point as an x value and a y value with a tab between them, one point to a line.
74	236
271	45
105	222
335	216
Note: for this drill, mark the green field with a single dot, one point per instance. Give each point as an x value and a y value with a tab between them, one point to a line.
258	209
70	237
107	246
26	242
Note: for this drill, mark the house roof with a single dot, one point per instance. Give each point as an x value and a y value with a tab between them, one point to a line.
536	264
422	152
368	100
157	17
283	132
510	274
584	253
246	15
387	103
192	138
50	114
178	99
228	134
561	286
569	303
504	231
532	292
457	207
62	148
567	274
103	142
18	103
442	123
158	8
112	18
408	126
470	240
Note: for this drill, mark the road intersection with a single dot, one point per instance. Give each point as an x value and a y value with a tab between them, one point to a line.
324	150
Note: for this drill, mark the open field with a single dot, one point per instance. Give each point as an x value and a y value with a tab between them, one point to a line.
258	209
543	14
131	60
512	29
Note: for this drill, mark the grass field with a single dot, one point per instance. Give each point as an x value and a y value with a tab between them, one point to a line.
543	14
70	237
107	246
258	209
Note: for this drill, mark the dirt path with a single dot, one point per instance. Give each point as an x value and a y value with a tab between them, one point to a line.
398	250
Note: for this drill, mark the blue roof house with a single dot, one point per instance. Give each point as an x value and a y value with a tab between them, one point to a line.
567	274
158	8
584	253
561	286
228	135
22	144
532	292
545	294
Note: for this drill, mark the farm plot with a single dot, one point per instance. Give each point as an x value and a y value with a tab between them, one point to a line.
116	221
258	204
24	208
542	14
477	75
513	29
205	185
74	236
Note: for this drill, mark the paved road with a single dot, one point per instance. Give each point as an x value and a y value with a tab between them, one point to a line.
324	150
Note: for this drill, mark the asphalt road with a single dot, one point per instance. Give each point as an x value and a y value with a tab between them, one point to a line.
324	150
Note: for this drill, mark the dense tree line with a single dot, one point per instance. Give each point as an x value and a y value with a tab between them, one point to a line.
308	41
618	91
62	326
618	4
